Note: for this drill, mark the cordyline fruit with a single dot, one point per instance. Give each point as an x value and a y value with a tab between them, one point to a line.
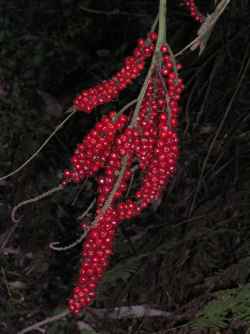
143	140
152	144
109	90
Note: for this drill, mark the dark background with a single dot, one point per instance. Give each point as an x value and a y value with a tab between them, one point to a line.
189	253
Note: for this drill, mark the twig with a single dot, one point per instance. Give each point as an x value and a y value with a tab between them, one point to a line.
53	246
161	39
8	236
115	11
78	192
37	326
87	210
127	106
73	112
155	23
116	186
32	200
134	311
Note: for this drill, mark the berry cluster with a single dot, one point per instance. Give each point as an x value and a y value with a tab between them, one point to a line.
109	90
96	253
193	10
95	148
116	146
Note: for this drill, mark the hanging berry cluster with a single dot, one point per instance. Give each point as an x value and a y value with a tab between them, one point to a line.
145	139
109	90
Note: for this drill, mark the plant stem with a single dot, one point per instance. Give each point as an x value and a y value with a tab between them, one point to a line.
116	186
162	24
37	326
72	111
32	200
161	39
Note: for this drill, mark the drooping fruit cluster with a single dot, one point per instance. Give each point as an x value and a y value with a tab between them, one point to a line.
96	253
95	148
145	141
193	10
109	90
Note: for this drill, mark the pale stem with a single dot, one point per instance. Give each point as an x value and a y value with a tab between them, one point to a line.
35	154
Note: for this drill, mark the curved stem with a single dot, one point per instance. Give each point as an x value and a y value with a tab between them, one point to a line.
37	326
32	200
87	210
73	111
53	246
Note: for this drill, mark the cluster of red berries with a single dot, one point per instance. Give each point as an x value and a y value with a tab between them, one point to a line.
96	253
193	10
113	149
109	90
95	148
120	144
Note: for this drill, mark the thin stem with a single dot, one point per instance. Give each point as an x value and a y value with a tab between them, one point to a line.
162	21
87	210
115	11
53	245
78	192
116	186
127	106
161	39
32	200
155	23
73	112
197	39
141	96
37	326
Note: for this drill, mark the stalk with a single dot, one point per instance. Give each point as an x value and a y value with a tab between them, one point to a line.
161	40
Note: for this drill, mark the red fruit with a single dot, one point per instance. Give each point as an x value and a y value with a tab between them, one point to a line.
153	36
164	48
109	90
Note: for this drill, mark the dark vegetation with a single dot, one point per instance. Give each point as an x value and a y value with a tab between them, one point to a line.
189	254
